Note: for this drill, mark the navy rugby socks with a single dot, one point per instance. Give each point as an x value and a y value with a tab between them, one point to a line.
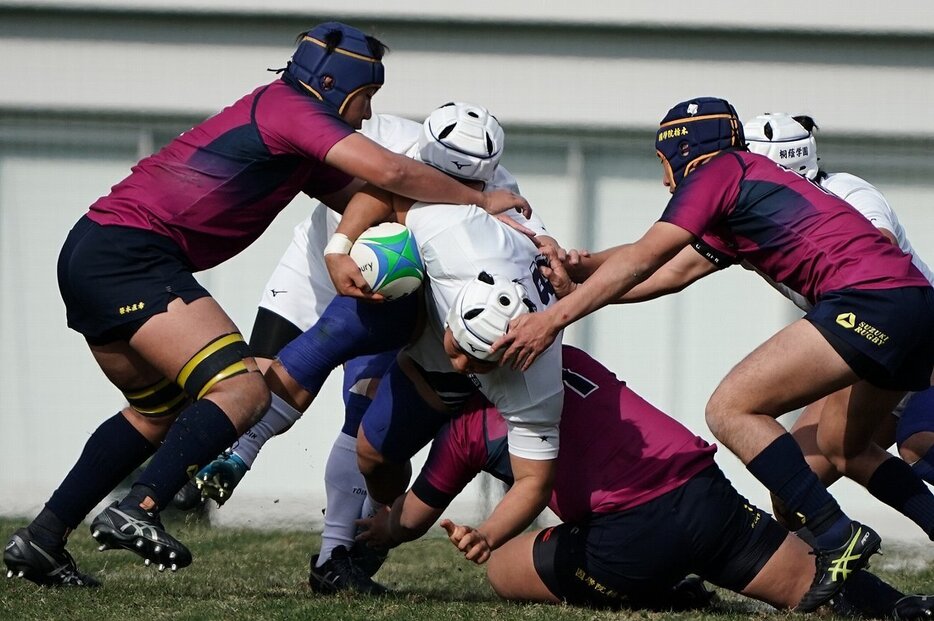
200	433
112	452
781	467
897	485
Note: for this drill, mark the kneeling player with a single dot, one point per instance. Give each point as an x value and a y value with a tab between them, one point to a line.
642	502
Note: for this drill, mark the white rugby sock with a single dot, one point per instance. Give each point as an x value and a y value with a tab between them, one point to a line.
346	493
279	417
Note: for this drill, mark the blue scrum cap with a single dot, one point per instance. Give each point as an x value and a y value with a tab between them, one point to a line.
693	132
334	76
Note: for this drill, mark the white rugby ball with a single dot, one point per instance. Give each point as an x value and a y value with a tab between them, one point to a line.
388	258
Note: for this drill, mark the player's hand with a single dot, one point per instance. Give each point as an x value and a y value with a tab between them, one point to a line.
347	278
498	201
557	275
514	224
468	540
528	336
375	530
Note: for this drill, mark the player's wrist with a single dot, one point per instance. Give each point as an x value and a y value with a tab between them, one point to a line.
338	244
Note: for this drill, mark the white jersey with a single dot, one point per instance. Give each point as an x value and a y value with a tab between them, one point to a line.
457	242
867	200
299	289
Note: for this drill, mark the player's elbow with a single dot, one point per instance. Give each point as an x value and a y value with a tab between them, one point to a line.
410	529
393	175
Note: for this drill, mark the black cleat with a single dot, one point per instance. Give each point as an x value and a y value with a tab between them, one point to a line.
835	566
690	594
188	498
340	573
367	558
25	558
140	532
914	608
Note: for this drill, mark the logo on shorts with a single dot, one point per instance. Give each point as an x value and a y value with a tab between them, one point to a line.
131	308
274	292
847	320
871	333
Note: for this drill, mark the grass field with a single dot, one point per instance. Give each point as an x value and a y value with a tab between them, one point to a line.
247	575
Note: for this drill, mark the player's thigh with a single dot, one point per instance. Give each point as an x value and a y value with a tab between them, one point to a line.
171	339
856	415
786	576
512	572
399	422
793	368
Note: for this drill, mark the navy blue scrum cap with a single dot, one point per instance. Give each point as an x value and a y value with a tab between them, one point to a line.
693	132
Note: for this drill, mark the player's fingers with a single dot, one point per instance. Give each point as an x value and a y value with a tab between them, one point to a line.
516	226
529	359
451	529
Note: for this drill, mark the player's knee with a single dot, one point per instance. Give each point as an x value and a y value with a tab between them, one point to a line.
495	574
715	416
369	460
915	446
220	369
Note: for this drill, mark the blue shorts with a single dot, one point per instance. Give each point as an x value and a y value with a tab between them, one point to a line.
917	416
348	328
634	557
355	403
113	278
399	423
885	335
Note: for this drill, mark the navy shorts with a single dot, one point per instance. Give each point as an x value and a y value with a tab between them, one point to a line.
885	335
399	422
113	278
635	557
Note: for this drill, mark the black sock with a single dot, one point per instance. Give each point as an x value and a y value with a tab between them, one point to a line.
200	433
869	595
924	467
112	452
782	469
897	485
49	531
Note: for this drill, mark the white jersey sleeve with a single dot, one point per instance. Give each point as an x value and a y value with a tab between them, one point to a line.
870	202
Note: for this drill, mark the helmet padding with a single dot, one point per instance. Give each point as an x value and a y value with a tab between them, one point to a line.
482	311
784	140
463	140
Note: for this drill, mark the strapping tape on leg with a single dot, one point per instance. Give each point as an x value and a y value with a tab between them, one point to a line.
164	398
218	360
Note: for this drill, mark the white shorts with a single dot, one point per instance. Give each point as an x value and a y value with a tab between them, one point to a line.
299	289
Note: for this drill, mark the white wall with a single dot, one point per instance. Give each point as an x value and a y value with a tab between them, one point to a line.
581	87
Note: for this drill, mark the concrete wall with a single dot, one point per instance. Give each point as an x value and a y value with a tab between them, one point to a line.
88	87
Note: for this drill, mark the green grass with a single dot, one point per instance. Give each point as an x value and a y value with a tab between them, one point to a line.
247	575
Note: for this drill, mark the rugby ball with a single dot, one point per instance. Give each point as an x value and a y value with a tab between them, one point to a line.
388	258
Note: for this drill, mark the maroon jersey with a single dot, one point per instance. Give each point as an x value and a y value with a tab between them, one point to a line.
617	450
787	227
218	186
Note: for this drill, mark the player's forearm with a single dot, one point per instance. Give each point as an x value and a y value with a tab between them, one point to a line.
423	183
364	210
617	275
524	501
410	518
